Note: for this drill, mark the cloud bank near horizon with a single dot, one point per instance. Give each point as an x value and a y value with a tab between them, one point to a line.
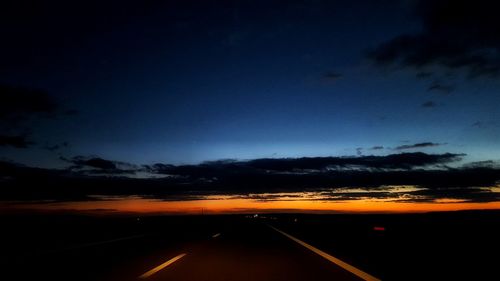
424	178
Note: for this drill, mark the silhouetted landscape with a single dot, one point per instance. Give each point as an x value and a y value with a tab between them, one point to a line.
238	140
431	246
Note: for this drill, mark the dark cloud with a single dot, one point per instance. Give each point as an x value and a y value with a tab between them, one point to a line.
56	147
429	104
21	109
97	165
418	145
472	194
423	75
15	141
487	124
257	178
332	76
456	35
478	124
18	104
441	88
297	165
377	147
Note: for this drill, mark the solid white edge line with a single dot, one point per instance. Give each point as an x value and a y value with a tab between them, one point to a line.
361	274
161	266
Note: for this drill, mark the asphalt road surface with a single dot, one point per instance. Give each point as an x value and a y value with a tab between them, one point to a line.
242	250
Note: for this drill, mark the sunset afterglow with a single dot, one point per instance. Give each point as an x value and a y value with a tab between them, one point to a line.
399	200
257	140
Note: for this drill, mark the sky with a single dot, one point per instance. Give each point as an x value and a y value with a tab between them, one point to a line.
125	85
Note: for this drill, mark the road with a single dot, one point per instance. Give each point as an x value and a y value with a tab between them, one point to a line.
245	250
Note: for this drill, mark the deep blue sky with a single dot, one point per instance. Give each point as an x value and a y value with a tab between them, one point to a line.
189	81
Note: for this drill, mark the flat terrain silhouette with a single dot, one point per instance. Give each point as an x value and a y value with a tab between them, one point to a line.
432	246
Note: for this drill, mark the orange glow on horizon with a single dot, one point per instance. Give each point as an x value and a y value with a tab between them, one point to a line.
221	204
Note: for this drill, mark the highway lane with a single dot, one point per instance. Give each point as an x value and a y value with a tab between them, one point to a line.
252	251
235	250
120	258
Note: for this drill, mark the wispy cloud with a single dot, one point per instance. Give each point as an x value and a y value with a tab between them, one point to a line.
418	145
429	104
440	87
332	76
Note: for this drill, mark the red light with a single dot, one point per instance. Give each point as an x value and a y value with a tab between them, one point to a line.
379	228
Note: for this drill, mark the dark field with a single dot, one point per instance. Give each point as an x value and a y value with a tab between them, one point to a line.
433	246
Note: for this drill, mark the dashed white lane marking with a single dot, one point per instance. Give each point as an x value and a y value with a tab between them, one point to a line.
161	266
216	235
